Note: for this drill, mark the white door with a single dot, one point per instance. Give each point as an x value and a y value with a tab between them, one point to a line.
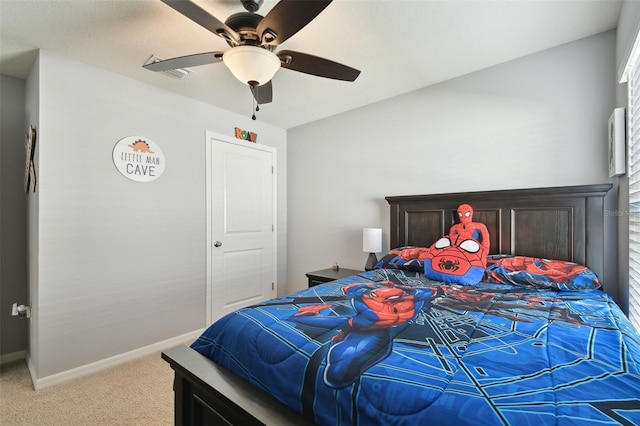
241	231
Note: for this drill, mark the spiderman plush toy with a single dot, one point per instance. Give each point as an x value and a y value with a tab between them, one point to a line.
461	256
468	229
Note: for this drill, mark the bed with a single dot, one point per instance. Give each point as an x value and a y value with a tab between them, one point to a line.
488	353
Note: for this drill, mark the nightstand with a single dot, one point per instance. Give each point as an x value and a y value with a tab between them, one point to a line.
326	275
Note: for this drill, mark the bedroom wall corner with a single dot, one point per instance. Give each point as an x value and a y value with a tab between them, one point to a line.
121	264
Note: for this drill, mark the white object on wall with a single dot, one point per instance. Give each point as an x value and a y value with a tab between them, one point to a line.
617	138
21	311
138	158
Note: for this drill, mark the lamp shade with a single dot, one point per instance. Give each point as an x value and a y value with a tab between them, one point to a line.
251	63
372	240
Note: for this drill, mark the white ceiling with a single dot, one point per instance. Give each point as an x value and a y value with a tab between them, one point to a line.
399	45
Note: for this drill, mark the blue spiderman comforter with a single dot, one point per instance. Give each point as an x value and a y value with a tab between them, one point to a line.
391	347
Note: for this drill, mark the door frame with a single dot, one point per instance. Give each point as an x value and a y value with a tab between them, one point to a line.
209	138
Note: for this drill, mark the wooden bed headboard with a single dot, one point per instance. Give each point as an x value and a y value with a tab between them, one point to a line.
565	223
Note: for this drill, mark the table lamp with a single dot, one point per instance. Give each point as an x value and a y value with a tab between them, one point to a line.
372	244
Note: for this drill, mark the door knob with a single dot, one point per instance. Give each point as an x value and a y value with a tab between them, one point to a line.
217	244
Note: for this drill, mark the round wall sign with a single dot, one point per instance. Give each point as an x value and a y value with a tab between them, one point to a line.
138	158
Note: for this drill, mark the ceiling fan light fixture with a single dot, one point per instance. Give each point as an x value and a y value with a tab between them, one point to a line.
251	64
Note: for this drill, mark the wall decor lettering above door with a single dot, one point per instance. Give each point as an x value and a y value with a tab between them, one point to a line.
246	135
138	158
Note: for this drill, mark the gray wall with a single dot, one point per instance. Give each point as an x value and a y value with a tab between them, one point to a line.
13	223
117	265
533	122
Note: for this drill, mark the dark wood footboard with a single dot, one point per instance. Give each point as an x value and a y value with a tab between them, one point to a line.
207	394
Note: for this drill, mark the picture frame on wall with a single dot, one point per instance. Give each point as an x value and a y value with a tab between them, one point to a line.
617	136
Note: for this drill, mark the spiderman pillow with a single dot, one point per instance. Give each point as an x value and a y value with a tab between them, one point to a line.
461	256
455	259
540	273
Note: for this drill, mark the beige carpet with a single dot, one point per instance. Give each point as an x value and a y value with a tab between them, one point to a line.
139	392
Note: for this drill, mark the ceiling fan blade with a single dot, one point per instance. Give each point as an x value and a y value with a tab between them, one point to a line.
203	18
263	94
185	61
287	18
315	65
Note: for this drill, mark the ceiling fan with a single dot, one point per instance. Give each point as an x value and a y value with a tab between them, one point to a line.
253	40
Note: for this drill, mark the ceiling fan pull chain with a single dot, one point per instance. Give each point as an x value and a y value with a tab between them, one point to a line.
253	86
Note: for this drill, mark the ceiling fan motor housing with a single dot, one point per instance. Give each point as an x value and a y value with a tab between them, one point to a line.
244	24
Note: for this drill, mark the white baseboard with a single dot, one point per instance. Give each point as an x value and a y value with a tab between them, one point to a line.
54	379
12	357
